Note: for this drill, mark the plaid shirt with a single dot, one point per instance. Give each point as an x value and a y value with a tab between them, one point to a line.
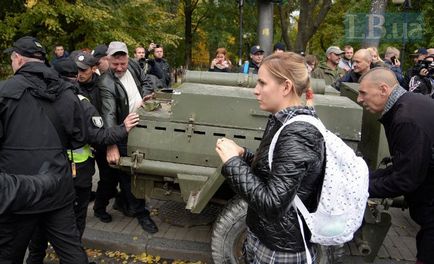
258	253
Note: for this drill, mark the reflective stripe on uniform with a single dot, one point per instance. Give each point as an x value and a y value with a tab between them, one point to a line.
80	155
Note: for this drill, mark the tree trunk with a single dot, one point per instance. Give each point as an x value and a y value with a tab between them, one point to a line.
312	14
378	8
309	21
284	27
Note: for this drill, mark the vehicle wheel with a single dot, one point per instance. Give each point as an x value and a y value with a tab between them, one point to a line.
229	233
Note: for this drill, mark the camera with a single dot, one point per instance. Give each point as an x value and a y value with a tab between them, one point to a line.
426	64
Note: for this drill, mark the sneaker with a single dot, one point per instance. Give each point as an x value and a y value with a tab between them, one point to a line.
103	216
148	224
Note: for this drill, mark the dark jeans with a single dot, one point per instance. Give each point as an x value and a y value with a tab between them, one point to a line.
60	230
38	244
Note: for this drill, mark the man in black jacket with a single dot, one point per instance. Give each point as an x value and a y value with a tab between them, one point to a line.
88	80
108	180
40	117
361	62
408	120
158	66
82	158
123	88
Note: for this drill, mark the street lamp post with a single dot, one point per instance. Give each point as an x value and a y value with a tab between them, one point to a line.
406	6
240	52
265	25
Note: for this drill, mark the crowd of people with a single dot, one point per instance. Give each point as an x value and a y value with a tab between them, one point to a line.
346	65
58	120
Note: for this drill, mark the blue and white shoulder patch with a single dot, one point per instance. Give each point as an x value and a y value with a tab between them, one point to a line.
97	121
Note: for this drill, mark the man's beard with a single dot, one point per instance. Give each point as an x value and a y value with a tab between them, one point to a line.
119	74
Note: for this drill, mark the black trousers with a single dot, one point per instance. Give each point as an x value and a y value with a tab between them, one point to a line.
60	230
126	198
38	244
82	198
425	243
107	184
107	188
423	215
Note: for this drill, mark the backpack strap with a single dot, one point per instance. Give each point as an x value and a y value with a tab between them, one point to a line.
298	205
299	118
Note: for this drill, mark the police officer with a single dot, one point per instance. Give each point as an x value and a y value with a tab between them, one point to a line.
82	159
107	185
40	116
87	77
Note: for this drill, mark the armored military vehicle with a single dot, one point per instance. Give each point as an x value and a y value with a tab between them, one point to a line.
171	153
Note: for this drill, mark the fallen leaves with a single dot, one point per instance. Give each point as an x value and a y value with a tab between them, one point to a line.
119	257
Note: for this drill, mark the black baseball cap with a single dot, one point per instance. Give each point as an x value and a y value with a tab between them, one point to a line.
66	67
28	47
420	51
279	46
100	51
85	60
256	49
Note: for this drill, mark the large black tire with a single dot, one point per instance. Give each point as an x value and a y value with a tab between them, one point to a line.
229	233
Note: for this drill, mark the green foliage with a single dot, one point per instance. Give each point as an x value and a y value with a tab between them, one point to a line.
223	28
86	23
215	23
331	31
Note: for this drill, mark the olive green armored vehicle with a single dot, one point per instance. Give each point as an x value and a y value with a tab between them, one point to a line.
171	153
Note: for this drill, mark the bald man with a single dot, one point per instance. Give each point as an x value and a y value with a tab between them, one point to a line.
408	120
361	64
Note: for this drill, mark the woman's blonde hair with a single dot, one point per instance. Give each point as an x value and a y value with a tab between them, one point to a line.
289	66
221	51
372	51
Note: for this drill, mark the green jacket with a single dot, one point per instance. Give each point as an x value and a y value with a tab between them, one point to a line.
323	71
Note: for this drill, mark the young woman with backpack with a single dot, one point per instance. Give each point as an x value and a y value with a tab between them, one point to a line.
273	233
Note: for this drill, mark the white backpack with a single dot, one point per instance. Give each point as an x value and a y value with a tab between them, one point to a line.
344	191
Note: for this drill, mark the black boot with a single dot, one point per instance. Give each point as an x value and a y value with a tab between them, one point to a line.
148	224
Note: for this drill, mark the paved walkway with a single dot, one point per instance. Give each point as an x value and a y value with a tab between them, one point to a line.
193	243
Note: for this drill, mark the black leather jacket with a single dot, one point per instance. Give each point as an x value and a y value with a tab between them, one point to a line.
298	168
114	98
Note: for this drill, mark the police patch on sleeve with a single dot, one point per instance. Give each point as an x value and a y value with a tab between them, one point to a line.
97	121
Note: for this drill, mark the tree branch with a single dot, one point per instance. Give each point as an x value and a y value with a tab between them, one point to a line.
284	26
325	8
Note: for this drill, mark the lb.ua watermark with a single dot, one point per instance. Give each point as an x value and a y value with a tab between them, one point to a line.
390	27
